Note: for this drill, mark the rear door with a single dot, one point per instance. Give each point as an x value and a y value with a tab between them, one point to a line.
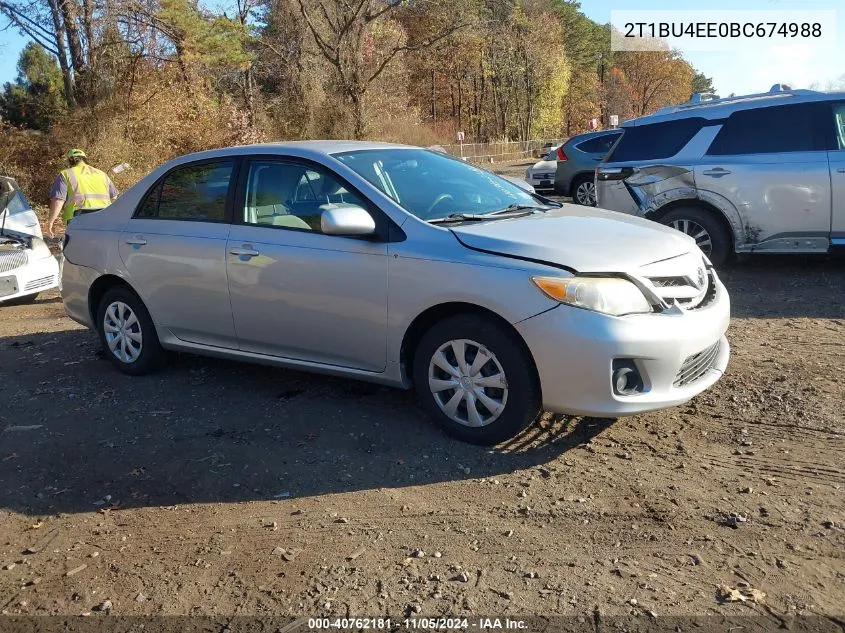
771	163
174	249
836	157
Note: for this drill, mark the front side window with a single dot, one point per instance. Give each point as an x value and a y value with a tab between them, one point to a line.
770	130
431	185
194	192
290	195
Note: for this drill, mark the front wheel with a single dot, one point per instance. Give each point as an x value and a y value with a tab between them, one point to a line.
127	333
707	231
476	380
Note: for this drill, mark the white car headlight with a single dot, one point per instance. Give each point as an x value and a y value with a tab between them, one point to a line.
40	250
608	295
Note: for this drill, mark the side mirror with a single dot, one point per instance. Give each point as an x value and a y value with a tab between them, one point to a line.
346	219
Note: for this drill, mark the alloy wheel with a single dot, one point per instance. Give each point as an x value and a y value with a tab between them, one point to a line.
468	383
586	193
122	332
697	232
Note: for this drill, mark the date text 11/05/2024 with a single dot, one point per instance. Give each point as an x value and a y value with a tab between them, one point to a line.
415	624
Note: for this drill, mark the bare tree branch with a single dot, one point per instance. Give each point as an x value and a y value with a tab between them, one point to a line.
30	27
414	47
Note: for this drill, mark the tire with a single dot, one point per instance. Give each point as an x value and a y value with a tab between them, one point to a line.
142	353
511	407
710	234
583	190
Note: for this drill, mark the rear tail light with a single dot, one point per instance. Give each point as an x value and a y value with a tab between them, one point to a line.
561	155
613	173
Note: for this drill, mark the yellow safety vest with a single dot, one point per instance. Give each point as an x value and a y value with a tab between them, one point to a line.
87	188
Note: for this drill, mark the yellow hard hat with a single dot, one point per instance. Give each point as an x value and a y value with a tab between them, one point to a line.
76	153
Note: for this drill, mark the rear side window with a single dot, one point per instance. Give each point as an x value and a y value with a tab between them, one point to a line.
655	140
789	128
194	192
599	144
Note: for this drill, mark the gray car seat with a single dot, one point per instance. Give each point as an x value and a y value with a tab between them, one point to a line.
274	187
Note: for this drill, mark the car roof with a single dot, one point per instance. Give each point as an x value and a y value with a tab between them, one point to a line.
721	108
297	148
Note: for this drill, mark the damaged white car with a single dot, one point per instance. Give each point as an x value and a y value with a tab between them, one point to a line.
27	267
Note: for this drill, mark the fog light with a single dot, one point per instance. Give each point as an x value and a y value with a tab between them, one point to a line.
626	379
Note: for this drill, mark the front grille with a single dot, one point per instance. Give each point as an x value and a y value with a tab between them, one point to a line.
39	283
696	366
11	259
684	292
668	282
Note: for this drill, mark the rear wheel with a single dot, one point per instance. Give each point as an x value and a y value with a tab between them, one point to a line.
584	191
476	380
705	228
127	333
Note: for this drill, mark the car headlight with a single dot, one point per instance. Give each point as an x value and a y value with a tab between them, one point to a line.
608	295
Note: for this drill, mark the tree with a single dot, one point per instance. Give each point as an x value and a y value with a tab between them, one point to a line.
342	31
36	98
702	84
655	78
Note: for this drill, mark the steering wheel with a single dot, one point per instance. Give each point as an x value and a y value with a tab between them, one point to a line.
441	198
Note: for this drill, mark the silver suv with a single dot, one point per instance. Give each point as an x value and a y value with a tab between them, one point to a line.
757	173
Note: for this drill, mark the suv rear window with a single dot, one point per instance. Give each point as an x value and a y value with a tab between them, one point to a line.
598	144
789	128
655	140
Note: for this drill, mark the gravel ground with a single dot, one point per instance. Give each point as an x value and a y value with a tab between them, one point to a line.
220	488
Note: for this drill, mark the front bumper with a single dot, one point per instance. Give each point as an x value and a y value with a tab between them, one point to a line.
33	277
574	350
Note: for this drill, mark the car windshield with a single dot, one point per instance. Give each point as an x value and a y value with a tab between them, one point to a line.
11	197
431	185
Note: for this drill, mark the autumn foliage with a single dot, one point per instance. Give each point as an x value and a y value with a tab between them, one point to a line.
141	81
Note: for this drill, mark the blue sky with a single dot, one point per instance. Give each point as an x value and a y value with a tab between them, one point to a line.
739	72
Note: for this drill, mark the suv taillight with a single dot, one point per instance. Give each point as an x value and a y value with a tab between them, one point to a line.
561	155
613	173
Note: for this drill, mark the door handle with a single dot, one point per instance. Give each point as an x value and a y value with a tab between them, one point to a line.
136	241
716	172
840	170
244	252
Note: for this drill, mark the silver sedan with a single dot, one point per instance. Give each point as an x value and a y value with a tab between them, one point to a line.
401	266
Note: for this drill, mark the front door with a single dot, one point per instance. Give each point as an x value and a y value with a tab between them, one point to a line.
771	164
174	249
298	293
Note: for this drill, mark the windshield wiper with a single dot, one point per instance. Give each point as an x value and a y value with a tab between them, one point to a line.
504	214
521	207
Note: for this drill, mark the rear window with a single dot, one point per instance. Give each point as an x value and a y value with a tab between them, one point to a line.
789	128
598	144
655	140
195	192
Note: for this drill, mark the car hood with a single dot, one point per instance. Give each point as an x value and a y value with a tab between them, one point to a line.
579	238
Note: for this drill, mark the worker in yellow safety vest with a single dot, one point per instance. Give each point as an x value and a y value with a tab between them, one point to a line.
80	188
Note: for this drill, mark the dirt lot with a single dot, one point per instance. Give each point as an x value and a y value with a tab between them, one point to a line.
220	488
